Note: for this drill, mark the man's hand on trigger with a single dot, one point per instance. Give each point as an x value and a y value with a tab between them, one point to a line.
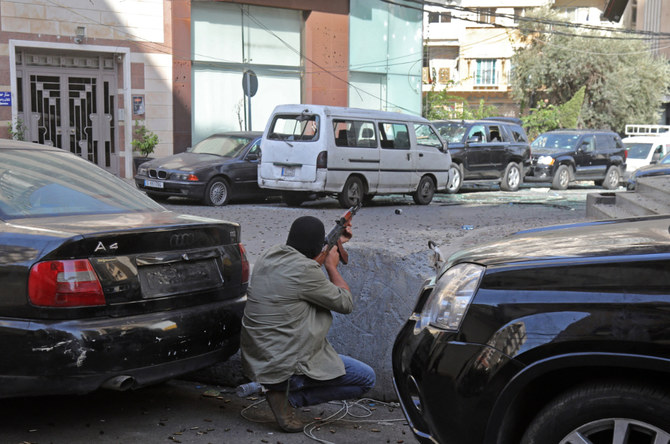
333	258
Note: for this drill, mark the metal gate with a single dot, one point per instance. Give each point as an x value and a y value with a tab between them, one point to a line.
72	109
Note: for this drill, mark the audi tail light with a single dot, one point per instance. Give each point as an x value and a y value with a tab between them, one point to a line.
245	264
69	283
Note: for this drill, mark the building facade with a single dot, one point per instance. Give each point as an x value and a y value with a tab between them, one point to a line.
79	74
470	43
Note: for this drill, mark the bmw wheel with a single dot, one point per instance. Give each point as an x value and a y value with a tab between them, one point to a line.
217	192
603	413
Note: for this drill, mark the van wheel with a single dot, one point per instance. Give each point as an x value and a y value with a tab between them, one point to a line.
292	199
455	178
217	192
424	192
511	180
614	412
352	193
612	177
561	178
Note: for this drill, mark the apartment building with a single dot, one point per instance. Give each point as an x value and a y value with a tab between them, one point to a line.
469	45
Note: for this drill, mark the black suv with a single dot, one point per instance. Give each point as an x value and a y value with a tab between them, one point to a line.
554	335
564	156
485	150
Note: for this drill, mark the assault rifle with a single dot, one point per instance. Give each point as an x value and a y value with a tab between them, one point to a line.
333	237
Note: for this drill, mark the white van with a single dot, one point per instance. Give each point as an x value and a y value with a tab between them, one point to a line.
645	145
352	153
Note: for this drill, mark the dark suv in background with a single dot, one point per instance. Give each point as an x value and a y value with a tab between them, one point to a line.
564	156
485	150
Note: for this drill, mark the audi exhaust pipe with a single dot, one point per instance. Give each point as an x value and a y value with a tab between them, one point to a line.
119	383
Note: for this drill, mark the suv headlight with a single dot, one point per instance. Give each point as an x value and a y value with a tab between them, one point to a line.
545	160
450	298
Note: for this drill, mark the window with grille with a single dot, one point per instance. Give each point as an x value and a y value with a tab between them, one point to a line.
486	72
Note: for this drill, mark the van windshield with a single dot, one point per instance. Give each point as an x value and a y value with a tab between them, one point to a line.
302	126
637	150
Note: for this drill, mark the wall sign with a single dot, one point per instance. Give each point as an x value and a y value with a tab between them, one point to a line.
5	98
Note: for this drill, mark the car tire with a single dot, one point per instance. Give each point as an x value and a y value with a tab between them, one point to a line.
612	178
590	413
424	192
293	198
455	178
352	193
217	192
512	178
561	178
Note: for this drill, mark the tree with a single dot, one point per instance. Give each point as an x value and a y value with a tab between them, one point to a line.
623	81
443	105
547	117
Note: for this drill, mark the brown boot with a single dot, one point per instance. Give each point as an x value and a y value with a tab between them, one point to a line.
284	413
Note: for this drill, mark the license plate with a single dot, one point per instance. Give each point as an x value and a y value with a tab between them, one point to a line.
179	277
288	171
153	184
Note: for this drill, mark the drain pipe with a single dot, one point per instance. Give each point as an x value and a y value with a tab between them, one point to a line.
120	383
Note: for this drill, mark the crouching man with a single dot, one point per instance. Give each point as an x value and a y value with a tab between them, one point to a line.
285	323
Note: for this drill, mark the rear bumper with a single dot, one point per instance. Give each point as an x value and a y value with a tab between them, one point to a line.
293	184
61	357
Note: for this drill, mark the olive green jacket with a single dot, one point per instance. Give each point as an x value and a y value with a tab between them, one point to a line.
287	318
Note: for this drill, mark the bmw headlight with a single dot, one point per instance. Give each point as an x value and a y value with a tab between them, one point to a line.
450	298
545	160
142	171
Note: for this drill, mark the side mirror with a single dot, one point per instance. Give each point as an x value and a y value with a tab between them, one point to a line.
253	156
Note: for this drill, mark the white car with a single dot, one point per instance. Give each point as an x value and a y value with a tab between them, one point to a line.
646	145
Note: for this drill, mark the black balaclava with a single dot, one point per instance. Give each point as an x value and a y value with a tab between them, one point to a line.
307	236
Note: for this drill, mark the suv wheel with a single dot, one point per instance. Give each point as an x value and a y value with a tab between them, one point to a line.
603	413
612	177
455	178
561	178
511	180
424	192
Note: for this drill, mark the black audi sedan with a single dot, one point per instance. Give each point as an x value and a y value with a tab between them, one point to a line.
218	169
555	335
101	286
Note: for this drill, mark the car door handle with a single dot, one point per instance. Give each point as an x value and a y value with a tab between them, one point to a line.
408	156
420	154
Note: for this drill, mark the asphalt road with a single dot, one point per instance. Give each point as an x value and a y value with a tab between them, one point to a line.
191	412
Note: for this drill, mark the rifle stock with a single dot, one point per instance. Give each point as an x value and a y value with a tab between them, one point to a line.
333	237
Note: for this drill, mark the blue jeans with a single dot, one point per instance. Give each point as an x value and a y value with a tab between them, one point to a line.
303	390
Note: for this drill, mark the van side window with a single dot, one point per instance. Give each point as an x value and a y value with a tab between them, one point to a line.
425	135
394	136
304	127
354	133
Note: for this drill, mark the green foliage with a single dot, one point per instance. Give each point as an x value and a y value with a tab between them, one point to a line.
144	140
623	83
17	129
442	105
547	117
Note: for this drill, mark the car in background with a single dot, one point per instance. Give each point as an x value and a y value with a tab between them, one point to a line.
661	168
218	169
645	145
486	150
564	156
103	287
552	335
